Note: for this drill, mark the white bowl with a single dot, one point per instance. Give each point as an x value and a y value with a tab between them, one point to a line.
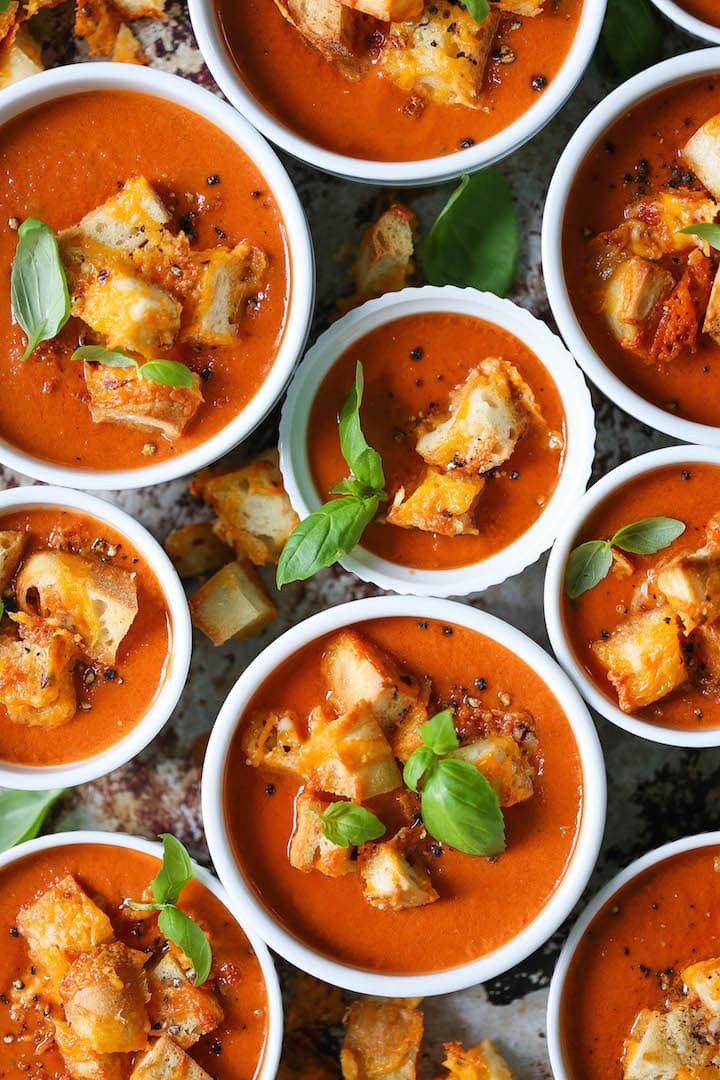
273	1045
687	22
676	70
398	173
44	777
536	933
81	78
555	586
580	421
557	985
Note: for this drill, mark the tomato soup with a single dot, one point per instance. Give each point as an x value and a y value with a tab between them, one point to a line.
631	956
638	156
483	903
216	195
706	10
109	875
371	118
411	366
111	700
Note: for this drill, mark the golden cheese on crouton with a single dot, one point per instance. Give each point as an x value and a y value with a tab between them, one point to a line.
489	412
309	848
91	598
481	1062
384	261
691	583
60	923
382	1041
503	764
702	153
441	56
37	686
19	58
177	1007
272	739
127	49
98	22
669	1044
165	1060
126	221
395	873
141	9
12	543
127	311
528	8
349	755
703	983
644	657
233	603
83	1061
254	512
652	224
197	549
228	278
439	503
104	993
121	396
631	294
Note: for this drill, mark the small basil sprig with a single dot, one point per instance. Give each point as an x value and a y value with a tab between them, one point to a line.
165	372
22	814
706	230
458	804
336	527
590	562
38	285
175	873
479	9
347	825
631	36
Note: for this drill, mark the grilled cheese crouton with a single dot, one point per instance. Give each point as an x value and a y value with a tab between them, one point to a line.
19	58
62	922
528	8
104	993
98	21
481	1062
666	1046
12	543
644	658
82	1061
196	549
37	687
178	1007
441	56
233	603
631	294
691	582
438	503
94	599
272	739
395	873
384	261
711	324
703	982
141	9
683	311
349	755
127	49
330	26
165	1060
309	848
127	311
121	396
489	412
254	512
652	225
702	153
503	764
382	1041
126	220
228	278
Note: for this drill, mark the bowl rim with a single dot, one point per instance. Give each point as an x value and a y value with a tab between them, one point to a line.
676	70
72	773
557	983
554	586
581	861
82	78
691	24
275	1023
561	368
402	173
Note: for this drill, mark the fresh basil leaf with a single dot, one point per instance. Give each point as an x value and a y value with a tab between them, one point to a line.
175	873
420	762
439	733
460	809
38	285
706	230
479	9
347	825
587	566
98	354
167	373
475	239
632	36
187	935
648	535
22	814
364	463
332	530
4	5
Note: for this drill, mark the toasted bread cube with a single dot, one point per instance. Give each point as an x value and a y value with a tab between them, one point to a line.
127	49
98	22
705	657
652	225
442	56
272	740
309	848
328	25
37	686
165	1060
86	596
19	58
349	755
129	312
83	1061
703	982
382	1041
502	762
683	311
11	549
104	993
59	924
254	512
711	324
233	603
141	9
438	503
702	153
489	413
120	396
691	585
481	1062
631	295
127	220
197	549
662	1046
178	1007
385	259
395	873
228	279
644	658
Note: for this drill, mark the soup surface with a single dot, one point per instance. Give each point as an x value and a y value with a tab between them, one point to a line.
112	701
216	194
631	956
483	903
109	875
373	119
411	366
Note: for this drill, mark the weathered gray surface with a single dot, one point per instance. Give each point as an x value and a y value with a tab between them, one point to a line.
655	794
